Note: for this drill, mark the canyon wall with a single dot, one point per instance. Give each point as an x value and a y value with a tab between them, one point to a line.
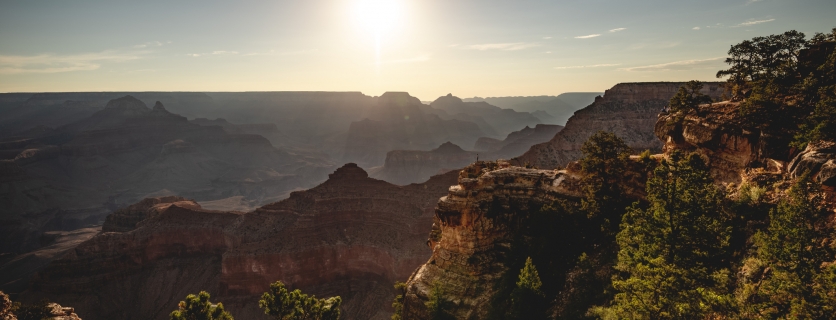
628	109
475	224
351	236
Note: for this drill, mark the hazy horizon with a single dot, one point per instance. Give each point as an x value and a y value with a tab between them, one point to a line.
427	48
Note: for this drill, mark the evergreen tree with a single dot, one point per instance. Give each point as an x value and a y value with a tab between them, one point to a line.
198	307
787	278
283	304
672	254
688	99
527	299
437	306
397	304
604	165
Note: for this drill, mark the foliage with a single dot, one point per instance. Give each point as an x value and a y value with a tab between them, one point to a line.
789	84
527	299
688	98
437	306
763	59
397	304
786	278
604	165
198	307
819	90
35	311
283	304
673	254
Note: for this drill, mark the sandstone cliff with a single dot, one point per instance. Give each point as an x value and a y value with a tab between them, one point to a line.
351	236
628	109
477	222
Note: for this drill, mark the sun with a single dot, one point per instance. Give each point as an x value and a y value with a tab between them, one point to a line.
378	16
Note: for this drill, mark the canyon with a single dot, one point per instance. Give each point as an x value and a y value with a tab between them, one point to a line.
351	236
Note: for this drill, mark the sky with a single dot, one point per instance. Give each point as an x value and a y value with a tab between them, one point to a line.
428	48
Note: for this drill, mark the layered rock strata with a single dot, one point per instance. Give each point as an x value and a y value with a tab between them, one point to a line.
475	224
628	109
351	236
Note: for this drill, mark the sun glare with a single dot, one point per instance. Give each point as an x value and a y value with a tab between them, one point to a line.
378	16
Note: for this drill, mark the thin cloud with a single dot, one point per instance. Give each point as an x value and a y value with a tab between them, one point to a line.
546	38
511	46
590	66
617	29
695	28
52	63
677	65
752	1
213	53
588	36
149	44
754	22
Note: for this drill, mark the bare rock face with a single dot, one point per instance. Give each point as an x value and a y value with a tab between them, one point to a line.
819	159
351	236
6	307
628	109
57	312
476	221
716	133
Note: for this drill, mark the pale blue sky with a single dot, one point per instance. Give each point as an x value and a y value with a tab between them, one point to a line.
430	47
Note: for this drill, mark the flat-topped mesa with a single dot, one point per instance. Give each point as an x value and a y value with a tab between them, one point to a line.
635	92
629	110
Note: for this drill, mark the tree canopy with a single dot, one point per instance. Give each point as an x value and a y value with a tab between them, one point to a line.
283	304
198	307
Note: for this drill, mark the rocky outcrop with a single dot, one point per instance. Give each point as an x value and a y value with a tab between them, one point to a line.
477	222
819	159
628	109
351	236
716	133
6	307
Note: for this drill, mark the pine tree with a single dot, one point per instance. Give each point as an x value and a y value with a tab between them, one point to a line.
437	306
527	299
787	277
198	307
672	254
283	304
